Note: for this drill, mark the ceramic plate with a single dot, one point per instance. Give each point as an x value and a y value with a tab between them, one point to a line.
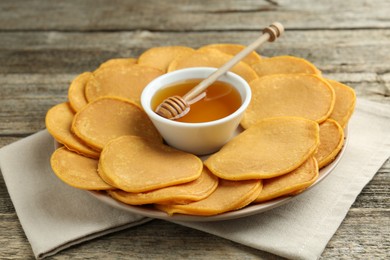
149	211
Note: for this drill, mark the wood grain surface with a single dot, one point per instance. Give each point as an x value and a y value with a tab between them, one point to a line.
45	44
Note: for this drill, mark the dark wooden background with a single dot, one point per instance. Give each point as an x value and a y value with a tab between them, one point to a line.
45	44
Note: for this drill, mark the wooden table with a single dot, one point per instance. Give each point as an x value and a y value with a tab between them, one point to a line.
45	44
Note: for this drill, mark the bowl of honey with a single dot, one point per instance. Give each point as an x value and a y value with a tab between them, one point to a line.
211	121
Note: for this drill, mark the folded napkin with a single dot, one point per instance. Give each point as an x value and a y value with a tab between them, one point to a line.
55	216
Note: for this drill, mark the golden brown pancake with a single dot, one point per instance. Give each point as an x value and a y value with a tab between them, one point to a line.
345	102
215	59
120	81
58	122
284	65
136	164
297	180
300	95
185	193
77	170
108	118
233	49
271	148
331	142
76	91
229	195
161	57
118	62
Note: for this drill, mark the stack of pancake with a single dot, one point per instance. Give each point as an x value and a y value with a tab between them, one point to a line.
293	127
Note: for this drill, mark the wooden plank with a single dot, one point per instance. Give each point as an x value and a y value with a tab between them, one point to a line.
376	195
14	243
362	235
25	99
6	206
56	52
203	15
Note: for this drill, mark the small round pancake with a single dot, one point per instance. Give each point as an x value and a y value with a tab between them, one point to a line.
215	59
300	95
331	142
229	195
345	102
58	122
118	62
76	91
297	180
76	170
161	57
270	148
284	65
136	164
120	81
233	49
185	193
108	118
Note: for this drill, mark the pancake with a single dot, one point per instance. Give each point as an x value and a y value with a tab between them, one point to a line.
58	122
185	193
118	62
284	65
108	118
120	81
270	148
136	164
300	95
345	103
297	180
76	91
161	57
331	142
77	170
212	58
233	49
229	195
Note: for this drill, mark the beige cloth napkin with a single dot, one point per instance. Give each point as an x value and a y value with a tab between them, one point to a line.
55	216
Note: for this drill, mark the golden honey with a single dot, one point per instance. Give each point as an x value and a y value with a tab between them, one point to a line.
221	100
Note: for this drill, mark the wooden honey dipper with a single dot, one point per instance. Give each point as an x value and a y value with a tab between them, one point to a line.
176	107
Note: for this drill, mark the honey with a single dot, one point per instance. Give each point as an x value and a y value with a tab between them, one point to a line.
221	100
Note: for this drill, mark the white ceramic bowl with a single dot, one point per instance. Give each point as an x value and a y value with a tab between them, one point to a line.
197	138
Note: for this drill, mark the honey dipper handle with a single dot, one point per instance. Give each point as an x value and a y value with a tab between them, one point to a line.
270	33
